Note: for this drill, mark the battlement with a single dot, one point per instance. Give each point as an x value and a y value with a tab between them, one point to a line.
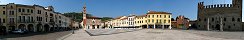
219	6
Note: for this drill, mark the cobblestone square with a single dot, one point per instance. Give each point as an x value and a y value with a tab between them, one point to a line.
151	34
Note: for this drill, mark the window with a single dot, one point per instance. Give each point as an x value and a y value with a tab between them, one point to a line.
233	19
32	19
3	20
0	20
169	16
148	20
239	20
160	16
4	12
224	19
11	7
164	21
152	16
152	21
3	7
164	16
46	19
28	10
168	21
11	12
19	19
28	19
212	19
46	13
23	10
38	11
205	19
229	27
157	16
148	16
23	19
19	10
199	19
31	11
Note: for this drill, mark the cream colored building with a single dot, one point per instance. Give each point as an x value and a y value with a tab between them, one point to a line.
33	18
152	19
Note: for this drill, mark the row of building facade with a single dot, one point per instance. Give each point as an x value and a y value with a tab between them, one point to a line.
33	18
152	19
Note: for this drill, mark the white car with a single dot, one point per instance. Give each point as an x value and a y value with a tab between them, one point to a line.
20	31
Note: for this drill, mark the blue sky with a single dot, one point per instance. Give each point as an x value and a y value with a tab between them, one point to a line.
115	8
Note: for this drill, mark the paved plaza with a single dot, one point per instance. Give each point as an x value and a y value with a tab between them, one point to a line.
35	36
148	34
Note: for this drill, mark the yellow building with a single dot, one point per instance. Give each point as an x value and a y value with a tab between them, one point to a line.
158	20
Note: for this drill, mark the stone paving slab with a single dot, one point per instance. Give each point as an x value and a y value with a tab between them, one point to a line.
145	34
97	32
218	34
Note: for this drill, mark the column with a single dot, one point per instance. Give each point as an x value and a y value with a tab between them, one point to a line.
154	26
208	25
221	24
147	26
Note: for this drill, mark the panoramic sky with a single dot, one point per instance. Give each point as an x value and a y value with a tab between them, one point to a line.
115	8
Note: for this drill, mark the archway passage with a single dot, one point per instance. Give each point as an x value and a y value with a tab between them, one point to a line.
11	28
93	26
2	30
97	26
46	27
30	28
217	27
39	27
21	26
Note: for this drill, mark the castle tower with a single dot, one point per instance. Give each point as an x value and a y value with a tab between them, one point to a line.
84	17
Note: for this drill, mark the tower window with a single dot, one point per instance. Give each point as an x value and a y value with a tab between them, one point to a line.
212	19
205	19
239	20
233	19
224	19
3	7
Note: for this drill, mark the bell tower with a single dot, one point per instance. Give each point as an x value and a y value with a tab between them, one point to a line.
84	17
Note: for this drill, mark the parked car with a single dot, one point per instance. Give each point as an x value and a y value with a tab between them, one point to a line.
19	31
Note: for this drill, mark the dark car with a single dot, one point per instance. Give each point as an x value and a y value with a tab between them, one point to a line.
19	31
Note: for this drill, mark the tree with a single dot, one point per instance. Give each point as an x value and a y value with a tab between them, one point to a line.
76	16
104	19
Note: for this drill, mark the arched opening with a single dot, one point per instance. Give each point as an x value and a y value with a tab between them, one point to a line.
93	26
97	26
217	27
11	28
39	27
30	28
52	28
2	30
46	27
21	26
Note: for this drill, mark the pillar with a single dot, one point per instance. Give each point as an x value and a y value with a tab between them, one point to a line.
221	24
154	26
208	25
147	26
